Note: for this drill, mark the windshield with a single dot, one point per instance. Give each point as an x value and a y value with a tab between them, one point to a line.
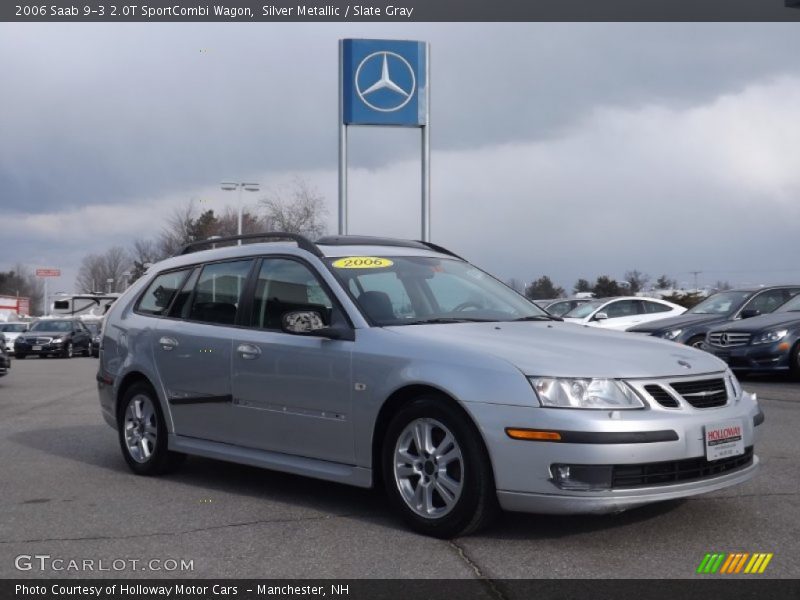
720	304
792	305
409	290
12	327
584	310
52	326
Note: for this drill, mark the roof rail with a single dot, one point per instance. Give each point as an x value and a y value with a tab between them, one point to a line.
366	240
302	241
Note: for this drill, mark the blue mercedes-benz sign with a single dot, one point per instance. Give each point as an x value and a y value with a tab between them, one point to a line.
384	82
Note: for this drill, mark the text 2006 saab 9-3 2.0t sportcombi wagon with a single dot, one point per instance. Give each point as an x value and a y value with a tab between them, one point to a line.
373	361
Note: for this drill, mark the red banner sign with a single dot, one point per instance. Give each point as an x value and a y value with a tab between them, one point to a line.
48	272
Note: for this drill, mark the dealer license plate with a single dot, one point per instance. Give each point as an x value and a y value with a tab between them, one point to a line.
724	440
35	348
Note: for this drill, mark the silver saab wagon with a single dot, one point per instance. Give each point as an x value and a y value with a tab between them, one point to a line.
374	361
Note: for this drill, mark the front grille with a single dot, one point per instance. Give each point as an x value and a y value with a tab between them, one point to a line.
702	393
675	471
42	341
662	396
728	339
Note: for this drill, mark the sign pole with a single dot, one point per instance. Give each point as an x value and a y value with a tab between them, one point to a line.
426	152
342	149
44	310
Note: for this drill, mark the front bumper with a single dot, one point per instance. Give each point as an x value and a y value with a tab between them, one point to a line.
524	470
25	348
761	357
619	500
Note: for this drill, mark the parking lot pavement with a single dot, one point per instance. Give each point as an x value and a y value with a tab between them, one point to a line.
67	493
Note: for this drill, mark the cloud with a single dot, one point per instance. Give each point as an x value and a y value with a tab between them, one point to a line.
662	189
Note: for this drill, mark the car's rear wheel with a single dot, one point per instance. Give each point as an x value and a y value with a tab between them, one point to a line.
436	470
143	433
67	351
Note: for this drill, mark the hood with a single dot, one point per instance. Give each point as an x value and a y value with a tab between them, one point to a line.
762	323
681	321
568	350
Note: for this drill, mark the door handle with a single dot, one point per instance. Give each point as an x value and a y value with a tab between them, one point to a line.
249	351
167	343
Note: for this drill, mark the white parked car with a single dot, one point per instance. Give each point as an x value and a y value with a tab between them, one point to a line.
622	312
11	332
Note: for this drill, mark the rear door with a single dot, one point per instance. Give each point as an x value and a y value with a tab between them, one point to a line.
192	349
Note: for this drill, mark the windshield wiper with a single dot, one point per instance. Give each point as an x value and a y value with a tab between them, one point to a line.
539	318
435	320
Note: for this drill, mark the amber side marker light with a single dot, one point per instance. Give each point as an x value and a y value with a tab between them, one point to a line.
533	434
783	346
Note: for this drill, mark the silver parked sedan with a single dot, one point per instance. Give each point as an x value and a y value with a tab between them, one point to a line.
373	361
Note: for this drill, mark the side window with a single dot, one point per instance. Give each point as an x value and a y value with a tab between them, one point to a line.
180	308
767	301
286	285
160	292
621	308
216	295
655	307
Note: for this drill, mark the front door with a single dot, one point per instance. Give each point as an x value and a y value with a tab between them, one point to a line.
292	393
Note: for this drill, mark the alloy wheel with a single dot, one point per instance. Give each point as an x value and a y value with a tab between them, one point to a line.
428	468
140	428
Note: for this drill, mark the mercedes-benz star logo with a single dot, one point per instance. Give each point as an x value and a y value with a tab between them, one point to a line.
385	81
723	339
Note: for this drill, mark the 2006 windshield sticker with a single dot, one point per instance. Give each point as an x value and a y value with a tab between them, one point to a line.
362	262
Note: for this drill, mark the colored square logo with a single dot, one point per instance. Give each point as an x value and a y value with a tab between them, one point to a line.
384	82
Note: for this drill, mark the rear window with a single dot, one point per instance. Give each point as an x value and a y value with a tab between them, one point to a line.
159	294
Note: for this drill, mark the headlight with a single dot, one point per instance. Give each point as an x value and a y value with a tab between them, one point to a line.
57	340
584	393
770	336
671	334
735	386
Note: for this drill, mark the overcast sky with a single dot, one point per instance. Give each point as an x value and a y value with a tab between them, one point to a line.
573	150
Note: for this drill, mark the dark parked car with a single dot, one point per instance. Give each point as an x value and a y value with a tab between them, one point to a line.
54	337
94	328
692	326
5	361
766	343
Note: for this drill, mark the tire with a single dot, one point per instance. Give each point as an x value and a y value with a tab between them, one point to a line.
794	362
696	341
468	500
88	351
67	351
143	433
19	355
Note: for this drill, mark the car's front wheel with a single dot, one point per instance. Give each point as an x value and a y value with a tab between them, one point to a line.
19	355
143	433
794	364
67	351
436	470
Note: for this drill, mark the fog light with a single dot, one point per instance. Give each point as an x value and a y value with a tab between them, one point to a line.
582	477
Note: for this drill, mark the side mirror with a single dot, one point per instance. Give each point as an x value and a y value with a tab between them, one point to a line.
601	316
748	313
309	322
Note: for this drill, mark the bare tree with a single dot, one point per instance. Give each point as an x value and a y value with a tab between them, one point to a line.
228	222
97	269
143	253
300	209
177	230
